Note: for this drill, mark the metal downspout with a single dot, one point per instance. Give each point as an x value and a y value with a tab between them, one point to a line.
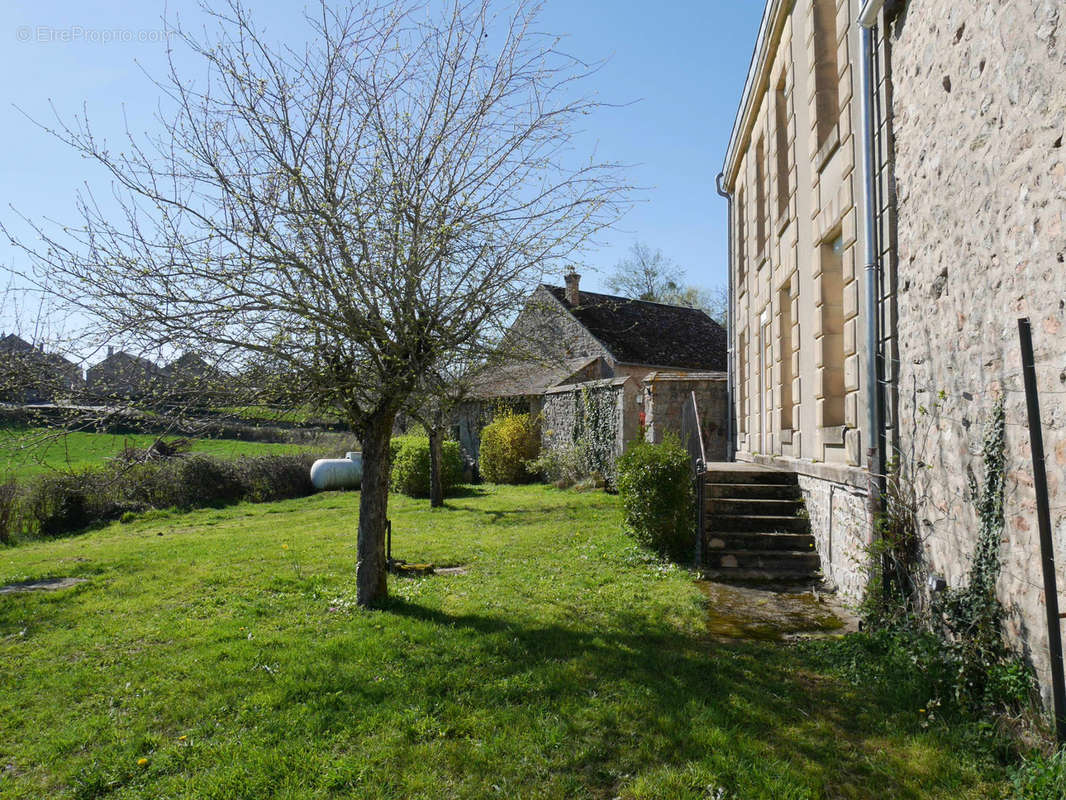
731	427
875	422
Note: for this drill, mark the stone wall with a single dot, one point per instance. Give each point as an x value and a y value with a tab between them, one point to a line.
568	412
665	395
793	170
840	521
546	330
979	115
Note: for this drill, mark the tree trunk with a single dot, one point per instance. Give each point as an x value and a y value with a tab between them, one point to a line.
436	486
370	573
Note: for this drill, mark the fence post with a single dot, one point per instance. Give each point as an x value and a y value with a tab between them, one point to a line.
1043	515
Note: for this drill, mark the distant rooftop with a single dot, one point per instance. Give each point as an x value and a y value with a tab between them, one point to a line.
652	334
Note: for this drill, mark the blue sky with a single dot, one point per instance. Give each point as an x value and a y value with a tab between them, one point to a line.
682	61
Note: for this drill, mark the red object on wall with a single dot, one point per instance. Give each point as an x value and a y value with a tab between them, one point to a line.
642	418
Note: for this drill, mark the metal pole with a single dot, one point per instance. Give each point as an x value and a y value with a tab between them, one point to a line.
1043	515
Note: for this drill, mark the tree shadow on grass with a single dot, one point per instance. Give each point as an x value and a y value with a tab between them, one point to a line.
653	698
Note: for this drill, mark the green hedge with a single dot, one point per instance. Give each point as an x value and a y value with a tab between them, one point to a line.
655	485
411	465
508	444
58	503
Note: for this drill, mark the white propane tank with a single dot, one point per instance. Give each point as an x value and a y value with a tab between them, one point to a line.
337	473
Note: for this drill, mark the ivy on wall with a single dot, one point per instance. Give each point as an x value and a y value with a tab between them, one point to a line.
596	424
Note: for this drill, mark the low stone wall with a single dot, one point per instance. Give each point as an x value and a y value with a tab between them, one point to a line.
840	523
665	395
603	413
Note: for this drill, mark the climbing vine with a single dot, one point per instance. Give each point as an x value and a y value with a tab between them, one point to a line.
966	623
972	616
596	429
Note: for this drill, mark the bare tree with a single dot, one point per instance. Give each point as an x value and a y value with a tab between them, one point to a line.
338	219
646	274
433	403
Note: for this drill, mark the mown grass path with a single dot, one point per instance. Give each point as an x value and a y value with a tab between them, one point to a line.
218	654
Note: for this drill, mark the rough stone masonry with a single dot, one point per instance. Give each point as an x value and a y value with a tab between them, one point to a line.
979	117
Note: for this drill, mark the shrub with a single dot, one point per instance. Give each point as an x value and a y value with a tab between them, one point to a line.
508	444
655	484
191	482
60	503
1041	777
563	465
275	477
411	465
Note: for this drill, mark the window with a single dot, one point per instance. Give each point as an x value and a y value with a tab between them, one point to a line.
781	124
760	196
742	243
826	75
742	383
832	343
785	387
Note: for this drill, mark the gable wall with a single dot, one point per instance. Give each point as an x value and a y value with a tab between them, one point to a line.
979	106
545	329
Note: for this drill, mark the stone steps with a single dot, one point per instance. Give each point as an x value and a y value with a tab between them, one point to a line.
783	560
756	529
753	491
758	540
758	577
747	506
766	523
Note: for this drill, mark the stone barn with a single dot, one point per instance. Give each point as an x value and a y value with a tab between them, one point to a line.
570	349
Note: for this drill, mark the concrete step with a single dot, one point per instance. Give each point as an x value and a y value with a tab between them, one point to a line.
769	523
753	491
759	507
759	476
772	560
760	577
747	540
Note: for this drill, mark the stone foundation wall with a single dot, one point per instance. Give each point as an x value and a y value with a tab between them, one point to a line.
979	115
840	522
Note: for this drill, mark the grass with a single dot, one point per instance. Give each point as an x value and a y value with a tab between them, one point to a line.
219	654
295	416
30	451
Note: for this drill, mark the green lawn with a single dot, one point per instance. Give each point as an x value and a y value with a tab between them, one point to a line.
295	416
218	654
29	451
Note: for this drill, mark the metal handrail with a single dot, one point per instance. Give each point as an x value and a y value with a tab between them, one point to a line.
692	434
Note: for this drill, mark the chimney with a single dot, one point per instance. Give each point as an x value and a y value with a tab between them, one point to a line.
110	351
573	296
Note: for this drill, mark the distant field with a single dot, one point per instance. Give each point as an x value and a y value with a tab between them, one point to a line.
29	451
293	416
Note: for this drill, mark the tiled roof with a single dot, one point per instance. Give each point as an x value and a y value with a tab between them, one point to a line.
527	377
653	334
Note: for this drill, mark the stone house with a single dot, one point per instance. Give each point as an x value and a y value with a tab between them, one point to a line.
897	186
30	375
566	343
793	172
190	379
122	376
